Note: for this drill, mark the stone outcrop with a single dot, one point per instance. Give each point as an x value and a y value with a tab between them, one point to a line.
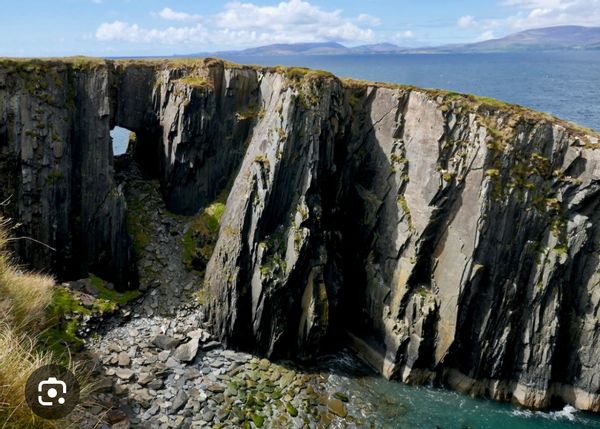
446	238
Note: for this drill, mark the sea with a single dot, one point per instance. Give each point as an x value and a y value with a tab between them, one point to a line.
564	84
393	405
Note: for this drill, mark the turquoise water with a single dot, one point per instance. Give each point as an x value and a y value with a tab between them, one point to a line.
394	405
565	84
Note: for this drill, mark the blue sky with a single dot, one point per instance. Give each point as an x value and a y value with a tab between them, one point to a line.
165	27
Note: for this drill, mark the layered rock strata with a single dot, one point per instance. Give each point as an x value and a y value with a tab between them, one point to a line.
445	237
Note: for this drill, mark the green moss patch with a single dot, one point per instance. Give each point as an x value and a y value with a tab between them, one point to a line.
274	265
138	223
250	113
200	239
109	300
66	313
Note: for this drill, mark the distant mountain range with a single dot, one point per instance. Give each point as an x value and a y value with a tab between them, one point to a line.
552	38
569	37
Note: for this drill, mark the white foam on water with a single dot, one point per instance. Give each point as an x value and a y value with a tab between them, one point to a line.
567	413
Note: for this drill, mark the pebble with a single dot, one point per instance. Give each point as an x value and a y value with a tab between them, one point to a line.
165	342
124	373
172	363
337	407
124	359
156	384
120	389
145	378
208	416
179	402
187	352
215	388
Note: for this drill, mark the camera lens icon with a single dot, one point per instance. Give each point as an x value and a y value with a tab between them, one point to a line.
52	392
48	387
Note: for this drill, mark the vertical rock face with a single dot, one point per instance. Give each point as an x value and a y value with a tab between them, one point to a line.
57	163
443	237
268	269
447	238
204	121
56	159
477	253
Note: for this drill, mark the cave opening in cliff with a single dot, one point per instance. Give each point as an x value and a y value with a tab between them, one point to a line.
122	140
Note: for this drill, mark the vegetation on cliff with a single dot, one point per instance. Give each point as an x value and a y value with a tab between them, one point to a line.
39	325
25	301
200	239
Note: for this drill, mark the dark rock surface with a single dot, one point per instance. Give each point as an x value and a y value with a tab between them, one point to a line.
444	237
55	130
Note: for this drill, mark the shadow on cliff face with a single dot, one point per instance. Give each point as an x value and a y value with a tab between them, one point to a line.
570	367
360	202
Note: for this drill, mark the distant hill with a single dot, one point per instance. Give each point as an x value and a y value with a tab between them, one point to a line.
329	48
568	37
326	48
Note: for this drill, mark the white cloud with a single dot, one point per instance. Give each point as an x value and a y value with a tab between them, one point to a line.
528	14
534	4
403	38
487	35
247	24
368	19
125	32
171	15
295	21
545	13
466	21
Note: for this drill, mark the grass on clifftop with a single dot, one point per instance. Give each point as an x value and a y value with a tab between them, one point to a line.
195	81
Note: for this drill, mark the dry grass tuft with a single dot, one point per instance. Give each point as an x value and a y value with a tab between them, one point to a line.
19	357
24	298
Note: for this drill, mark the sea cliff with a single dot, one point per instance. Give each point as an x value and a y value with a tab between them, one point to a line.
444	237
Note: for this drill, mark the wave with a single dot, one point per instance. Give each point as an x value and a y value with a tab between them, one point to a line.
567	413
